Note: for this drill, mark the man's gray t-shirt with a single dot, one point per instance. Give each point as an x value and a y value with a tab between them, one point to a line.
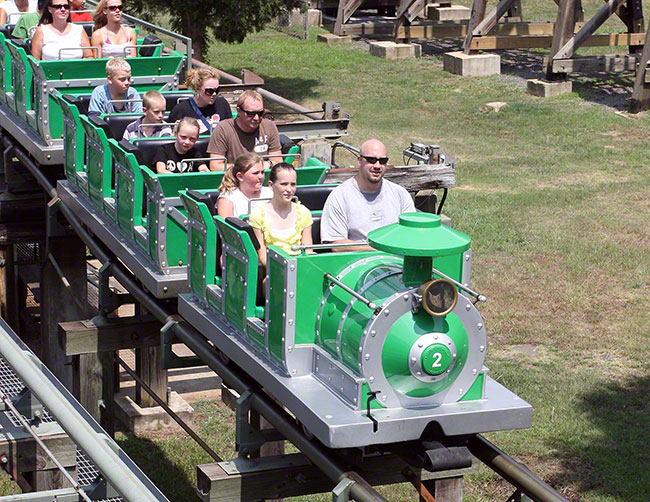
350	213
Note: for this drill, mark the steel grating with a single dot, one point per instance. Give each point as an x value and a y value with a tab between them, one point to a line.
27	252
11	385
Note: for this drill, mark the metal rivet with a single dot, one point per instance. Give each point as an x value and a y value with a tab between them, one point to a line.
481	348
479	325
468	307
367	357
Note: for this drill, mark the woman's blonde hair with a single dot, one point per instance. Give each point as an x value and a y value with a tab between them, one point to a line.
98	16
196	77
242	164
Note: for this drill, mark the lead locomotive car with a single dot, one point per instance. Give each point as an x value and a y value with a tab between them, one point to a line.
362	347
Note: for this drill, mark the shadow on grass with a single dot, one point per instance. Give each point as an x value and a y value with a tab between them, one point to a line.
610	89
294	89
154	462
615	459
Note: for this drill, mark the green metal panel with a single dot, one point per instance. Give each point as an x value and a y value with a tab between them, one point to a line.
202	245
96	68
22	79
476	390
99	163
128	189
275	306
5	70
73	139
240	278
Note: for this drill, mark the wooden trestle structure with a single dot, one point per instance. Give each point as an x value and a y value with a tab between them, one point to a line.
502	28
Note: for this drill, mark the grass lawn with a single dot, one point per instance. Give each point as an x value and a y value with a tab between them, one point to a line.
554	193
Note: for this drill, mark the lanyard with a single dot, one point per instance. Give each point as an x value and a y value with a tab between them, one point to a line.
195	107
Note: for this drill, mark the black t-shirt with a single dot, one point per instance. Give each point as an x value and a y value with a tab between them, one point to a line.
178	162
219	110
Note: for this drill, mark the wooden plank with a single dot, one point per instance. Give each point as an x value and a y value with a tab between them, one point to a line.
344	13
564	29
292	476
641	94
541	41
446	490
413	178
588	64
491	18
103	335
457	30
148	368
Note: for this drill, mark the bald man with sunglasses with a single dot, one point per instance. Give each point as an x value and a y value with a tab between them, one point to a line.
248	132
364	202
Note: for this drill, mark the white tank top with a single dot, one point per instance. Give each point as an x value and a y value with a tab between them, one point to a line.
53	42
111	50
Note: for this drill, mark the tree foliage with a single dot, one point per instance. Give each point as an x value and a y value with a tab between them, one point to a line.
226	20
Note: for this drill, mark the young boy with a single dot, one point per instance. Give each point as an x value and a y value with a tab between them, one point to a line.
118	74
154	105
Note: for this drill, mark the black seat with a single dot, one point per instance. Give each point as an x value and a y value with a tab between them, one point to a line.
286	143
81	102
245	227
315	229
171	98
118	122
88	28
149	40
101	124
7	29
313	197
149	146
23	44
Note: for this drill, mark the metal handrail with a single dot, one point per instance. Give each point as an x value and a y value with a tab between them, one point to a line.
341	144
82	48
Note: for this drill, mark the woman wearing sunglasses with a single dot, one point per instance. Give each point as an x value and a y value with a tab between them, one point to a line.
206	106
56	37
12	10
110	36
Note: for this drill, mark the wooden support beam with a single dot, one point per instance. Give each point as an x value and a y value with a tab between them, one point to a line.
564	30
455	30
515	10
410	9
478	13
491	18
101	334
641	94
292	475
541	41
592	64
344	13
577	40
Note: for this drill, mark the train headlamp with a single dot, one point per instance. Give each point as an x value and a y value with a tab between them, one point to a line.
439	297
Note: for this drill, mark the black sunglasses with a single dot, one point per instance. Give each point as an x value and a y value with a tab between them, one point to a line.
59	6
252	113
211	90
115	7
372	160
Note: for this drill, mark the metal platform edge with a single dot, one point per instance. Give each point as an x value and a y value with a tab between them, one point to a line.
338	426
16	126
159	284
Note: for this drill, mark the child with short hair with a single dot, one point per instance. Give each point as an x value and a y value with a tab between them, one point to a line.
118	74
153	104
177	157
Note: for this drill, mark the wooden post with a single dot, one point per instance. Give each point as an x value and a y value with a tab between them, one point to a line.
60	303
147	363
634	21
478	13
445	490
514	12
9	308
345	11
563	31
641	94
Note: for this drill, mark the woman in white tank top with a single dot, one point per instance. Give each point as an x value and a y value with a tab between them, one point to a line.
56	37
110	36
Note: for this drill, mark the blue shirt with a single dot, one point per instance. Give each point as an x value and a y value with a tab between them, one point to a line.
101	96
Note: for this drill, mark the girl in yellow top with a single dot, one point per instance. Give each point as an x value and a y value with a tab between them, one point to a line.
280	221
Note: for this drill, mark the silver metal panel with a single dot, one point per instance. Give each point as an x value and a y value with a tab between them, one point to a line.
161	285
29	139
308	129
216	293
467	268
335	423
337	378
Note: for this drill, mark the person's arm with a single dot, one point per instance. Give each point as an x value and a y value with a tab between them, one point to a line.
360	247
37	42
225	207
203	168
217	164
136	106
261	252
96	40
132	52
3	17
88	53
306	238
334	224
161	168
97	103
277	158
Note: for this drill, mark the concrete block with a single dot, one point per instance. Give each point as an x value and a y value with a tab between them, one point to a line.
453	13
392	50
297	18
140	420
547	89
330	38
474	65
317	147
